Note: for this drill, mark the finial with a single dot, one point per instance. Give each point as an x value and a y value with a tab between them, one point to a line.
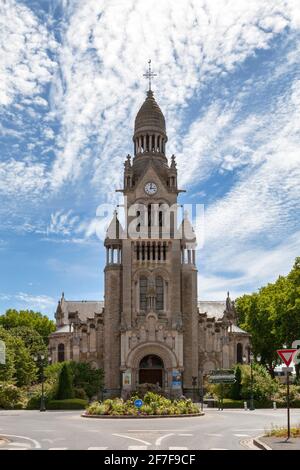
62	295
149	74
173	162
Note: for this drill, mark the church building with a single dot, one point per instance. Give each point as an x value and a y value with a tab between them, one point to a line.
150	327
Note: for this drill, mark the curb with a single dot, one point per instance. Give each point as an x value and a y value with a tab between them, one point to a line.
194	415
261	445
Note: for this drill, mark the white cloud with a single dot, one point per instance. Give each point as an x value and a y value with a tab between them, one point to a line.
104	53
29	301
25	65
22	178
244	269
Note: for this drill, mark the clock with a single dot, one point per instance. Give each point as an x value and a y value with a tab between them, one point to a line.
150	188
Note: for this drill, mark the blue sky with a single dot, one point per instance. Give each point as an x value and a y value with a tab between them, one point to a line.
71	85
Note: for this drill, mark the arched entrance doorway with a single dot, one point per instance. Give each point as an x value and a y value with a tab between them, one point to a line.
151	370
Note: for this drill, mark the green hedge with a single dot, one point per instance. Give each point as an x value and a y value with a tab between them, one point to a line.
67	404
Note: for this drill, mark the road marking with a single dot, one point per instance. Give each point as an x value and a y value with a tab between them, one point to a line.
185	435
241	435
218	448
252	429
19	444
178	448
97	448
36	443
156	430
215	435
13	448
160	439
137	447
58	448
133	438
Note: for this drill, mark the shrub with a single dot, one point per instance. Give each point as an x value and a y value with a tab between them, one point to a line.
154	404
80	393
236	388
12	397
67	404
34	393
65	386
87	377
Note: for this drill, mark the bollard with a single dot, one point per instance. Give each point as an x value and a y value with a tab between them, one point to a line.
245	406
274	405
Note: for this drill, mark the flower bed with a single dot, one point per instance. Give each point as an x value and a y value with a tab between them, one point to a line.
153	405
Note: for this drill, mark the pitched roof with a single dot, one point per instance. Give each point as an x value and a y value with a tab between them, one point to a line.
85	308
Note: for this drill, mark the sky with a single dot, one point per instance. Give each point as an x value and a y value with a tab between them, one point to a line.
71	84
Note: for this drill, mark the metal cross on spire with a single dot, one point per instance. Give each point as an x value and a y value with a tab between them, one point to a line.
149	74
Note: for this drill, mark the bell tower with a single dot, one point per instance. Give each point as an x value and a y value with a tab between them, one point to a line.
150	276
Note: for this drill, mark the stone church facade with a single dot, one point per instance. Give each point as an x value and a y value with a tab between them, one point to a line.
150	328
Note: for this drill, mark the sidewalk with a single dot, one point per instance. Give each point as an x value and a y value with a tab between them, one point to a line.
280	443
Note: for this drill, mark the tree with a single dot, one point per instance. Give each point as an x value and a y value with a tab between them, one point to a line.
20	367
87	378
32	340
65	383
35	320
237	386
272	316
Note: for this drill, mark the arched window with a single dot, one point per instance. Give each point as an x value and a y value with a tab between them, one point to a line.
239	353
143	293
61	352
159	284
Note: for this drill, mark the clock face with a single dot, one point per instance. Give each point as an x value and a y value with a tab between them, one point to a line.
150	188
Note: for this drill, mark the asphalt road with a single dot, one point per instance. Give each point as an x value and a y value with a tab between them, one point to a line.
228	429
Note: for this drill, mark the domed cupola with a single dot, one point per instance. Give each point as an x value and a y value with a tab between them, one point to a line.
150	129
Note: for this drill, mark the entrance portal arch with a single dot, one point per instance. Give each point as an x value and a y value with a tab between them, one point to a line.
164	354
151	369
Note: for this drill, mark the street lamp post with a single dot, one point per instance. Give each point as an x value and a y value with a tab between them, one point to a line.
39	359
251	357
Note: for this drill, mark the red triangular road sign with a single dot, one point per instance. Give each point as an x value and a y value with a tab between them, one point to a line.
286	355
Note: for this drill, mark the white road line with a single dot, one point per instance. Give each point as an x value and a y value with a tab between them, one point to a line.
252	429
97	448
218	448
19	444
178	448
36	443
214	435
58	448
185	435
241	435
160	439
137	447
13	448
133	438
156	430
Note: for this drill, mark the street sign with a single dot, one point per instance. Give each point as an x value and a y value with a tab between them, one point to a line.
222	380
286	355
138	403
296	357
285	370
2	352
